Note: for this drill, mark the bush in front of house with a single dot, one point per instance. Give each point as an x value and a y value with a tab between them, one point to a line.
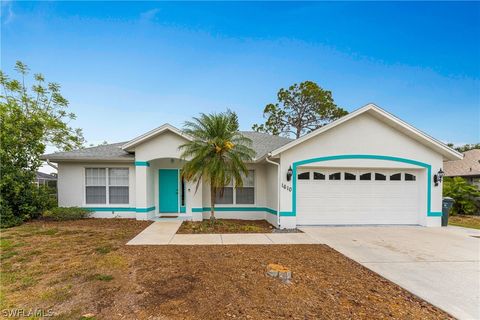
463	193
65	213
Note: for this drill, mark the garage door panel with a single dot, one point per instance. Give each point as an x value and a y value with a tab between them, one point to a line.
355	201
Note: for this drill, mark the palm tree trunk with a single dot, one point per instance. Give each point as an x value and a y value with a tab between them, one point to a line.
212	202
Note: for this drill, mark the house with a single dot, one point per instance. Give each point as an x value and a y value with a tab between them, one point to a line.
46	179
467	168
367	168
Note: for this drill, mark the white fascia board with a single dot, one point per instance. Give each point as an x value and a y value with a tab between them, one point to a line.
448	152
152	133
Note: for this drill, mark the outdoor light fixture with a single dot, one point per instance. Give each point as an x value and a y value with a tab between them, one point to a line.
289	173
437	178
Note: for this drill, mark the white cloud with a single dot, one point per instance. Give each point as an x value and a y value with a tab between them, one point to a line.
149	15
7	14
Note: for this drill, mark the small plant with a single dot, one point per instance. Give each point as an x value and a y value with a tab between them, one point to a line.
463	193
103	250
103	277
64	213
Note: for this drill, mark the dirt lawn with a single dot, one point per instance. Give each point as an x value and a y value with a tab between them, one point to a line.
81	267
226	226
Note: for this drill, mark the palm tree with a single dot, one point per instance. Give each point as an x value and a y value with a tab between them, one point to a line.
217	152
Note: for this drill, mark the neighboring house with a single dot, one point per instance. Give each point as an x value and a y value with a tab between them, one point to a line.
468	167
45	179
368	167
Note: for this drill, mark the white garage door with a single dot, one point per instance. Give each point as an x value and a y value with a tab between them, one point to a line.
357	196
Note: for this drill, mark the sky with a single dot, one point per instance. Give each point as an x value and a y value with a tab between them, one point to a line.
128	67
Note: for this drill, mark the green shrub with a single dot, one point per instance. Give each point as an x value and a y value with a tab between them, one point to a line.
7	218
64	213
463	193
30	202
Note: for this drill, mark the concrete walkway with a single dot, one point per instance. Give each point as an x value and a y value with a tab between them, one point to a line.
164	233
440	265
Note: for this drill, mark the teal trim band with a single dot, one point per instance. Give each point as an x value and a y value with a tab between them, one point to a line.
145	209
183	210
360	156
435	214
287	214
110	209
233	209
103	209
142	164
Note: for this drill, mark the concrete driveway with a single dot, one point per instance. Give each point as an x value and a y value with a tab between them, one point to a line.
440	265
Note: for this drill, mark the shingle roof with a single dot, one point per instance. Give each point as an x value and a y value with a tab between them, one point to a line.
47	176
262	143
104	152
469	166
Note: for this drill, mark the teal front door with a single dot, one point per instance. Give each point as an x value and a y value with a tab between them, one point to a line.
168	190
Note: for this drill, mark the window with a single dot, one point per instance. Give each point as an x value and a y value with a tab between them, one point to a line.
318	176
102	184
335	176
95	185
240	195
246	194
380	177
396	177
410	177
366	176
350	176
225	195
304	176
118	185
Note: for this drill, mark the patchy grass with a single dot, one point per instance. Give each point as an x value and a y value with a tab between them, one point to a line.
102	277
226	226
84	268
465	221
104	249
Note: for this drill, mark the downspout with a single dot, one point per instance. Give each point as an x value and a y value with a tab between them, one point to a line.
278	185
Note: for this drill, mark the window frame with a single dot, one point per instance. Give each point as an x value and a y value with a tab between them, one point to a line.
394	174
107	187
234	193
412	174
385	176
115	185
353	173
335	172
304	172
325	176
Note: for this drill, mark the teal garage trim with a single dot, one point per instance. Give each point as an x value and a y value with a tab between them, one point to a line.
232	209
183	210
361	156
142	164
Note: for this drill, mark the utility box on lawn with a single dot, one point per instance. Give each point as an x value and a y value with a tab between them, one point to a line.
447	204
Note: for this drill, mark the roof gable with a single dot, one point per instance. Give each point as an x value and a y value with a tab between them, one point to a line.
129	146
381	115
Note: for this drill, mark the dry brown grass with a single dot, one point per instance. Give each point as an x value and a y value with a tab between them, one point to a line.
80	267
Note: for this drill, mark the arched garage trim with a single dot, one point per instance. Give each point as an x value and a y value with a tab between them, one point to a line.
361	156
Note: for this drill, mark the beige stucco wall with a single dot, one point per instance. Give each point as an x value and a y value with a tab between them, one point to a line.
261	197
363	135
164	145
71	184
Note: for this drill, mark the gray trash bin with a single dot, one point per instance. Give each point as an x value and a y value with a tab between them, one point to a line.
447	204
